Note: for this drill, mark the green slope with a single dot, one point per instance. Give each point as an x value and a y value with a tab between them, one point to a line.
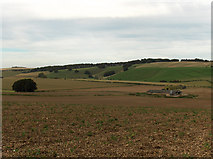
95	71
10	73
156	74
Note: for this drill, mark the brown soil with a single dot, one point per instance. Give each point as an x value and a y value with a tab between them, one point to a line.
106	122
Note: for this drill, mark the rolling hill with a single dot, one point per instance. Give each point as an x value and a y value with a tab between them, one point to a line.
193	73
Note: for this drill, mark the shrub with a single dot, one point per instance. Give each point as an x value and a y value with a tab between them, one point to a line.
24	85
109	73
175	81
87	72
101	66
126	66
76	71
42	75
90	76
163	81
55	71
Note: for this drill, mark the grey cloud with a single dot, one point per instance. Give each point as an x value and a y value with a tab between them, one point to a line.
138	27
107	39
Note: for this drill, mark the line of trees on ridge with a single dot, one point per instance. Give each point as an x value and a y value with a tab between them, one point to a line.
103	65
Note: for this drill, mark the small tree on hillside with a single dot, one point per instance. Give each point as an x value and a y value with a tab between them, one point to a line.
24	85
87	72
109	73
42	75
101	66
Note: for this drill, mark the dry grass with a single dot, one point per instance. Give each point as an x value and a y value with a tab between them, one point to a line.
176	64
57	84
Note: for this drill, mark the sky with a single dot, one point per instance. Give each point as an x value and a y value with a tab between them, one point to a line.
38	33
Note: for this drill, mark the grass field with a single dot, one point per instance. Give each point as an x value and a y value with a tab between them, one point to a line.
189	73
57	84
156	74
175	64
10	73
95	71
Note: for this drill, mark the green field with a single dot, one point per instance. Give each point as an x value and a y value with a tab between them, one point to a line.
156	74
10	73
95	72
189	73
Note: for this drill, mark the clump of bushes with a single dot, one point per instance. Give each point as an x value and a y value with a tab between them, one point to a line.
42	75
24	85
76	71
109	73
175	81
163	81
87	72
176	87
101	66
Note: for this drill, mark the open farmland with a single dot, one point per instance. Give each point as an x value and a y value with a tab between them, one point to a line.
69	118
157	74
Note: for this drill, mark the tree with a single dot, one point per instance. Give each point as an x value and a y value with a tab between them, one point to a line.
24	85
101	66
42	75
90	76
87	72
109	73
76	71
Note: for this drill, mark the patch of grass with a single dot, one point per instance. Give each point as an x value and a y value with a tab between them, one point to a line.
72	149
114	137
89	133
181	134
156	74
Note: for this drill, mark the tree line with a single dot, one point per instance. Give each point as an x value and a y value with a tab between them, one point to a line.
125	65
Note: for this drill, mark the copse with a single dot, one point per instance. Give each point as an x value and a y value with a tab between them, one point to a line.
87	72
109	73
42	75
24	85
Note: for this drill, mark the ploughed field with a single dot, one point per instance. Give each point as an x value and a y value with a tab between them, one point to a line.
68	118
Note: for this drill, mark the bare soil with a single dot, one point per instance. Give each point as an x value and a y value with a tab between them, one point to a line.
106	122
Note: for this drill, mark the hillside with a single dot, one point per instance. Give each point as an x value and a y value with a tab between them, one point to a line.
157	74
175	64
95	72
193	73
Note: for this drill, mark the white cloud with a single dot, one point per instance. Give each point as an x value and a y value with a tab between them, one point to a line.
57	9
75	31
65	9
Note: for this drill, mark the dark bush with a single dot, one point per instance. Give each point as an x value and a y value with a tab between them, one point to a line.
101	66
42	75
24	85
90	76
76	71
87	72
126	66
109	73
55	71
163	81
175	81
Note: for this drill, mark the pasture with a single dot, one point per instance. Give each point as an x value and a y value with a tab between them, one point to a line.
156	74
71	118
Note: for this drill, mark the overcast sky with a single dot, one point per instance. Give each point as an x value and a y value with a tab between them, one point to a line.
57	32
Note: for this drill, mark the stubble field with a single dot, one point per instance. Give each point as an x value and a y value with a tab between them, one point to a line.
95	119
